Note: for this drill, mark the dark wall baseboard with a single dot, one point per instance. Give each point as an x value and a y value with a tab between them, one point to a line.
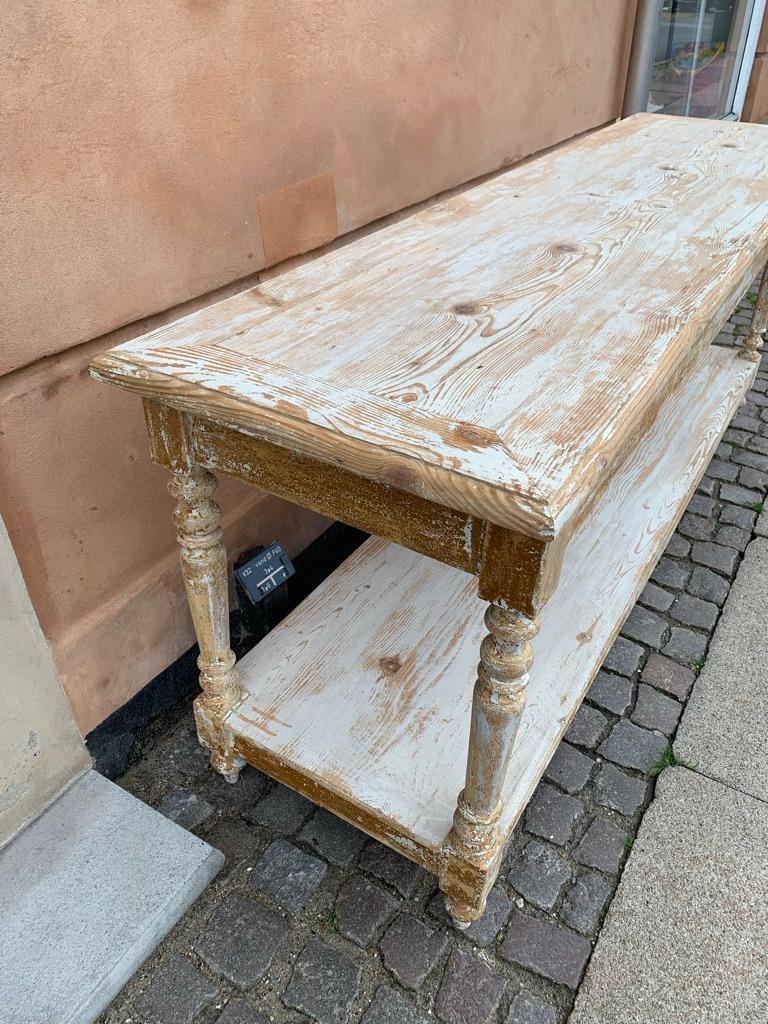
121	738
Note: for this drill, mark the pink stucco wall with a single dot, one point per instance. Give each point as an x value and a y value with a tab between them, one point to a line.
155	152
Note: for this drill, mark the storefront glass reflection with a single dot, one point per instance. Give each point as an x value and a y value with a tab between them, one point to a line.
699	48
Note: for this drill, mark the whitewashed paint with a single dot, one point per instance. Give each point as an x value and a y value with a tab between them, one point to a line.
495	350
322	693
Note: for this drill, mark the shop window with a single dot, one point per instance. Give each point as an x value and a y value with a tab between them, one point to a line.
702	47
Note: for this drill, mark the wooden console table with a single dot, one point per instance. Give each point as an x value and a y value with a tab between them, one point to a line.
515	389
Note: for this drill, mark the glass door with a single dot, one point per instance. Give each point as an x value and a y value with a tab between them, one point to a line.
702	49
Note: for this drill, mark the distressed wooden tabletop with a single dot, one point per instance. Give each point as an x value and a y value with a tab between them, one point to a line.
497	350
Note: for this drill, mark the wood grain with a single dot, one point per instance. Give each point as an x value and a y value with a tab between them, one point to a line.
495	351
366	688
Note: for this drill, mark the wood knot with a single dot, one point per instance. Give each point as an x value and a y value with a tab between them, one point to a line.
466	308
267	298
390	665
567	247
401	477
468	434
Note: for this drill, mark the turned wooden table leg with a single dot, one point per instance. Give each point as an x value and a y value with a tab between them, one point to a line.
754	339
475	845
204	568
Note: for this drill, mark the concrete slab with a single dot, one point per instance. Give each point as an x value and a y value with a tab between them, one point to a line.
686	936
722	733
87	891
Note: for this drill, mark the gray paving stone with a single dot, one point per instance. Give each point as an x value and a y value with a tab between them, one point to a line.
678	547
624	657
655	710
697	527
586	901
645	626
362	908
324	983
391	1007
529	1009
685	938
540	875
748	423
723	729
632	747
282	809
241	940
738	495
546	949
685	646
552	815
288	875
410	950
569	768
185	807
709	585
242	797
734	515
656	597
724	451
392	868
603	846
177	993
701	506
182	752
753	478
707	486
761	526
736	437
715	556
239	1012
752	459
669	573
619	791
720	470
756	444
234	837
693	611
334	839
484	931
734	537
587	727
669	676
614	693
470	991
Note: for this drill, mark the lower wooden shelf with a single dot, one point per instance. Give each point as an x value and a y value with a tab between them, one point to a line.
360	699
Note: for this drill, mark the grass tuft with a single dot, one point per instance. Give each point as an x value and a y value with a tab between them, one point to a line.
756	506
330	922
669	760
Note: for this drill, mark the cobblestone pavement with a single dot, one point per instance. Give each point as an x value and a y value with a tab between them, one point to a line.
311	921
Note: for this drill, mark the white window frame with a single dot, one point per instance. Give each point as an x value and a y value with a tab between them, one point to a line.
747	61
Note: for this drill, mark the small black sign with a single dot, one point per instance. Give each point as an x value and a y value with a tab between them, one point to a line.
264	572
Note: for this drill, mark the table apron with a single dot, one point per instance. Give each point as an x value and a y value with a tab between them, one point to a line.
512	568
